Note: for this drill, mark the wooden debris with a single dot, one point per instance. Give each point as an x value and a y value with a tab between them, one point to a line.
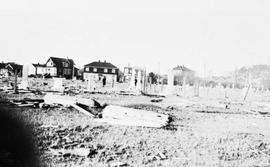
111	114
82	110
156	100
118	164
152	95
246	93
67	100
133	117
262	108
26	102
82	152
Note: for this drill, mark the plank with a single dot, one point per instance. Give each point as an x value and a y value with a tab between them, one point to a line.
82	110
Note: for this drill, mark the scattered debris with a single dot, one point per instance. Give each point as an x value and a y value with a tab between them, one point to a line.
109	113
118	164
83	152
156	100
152	95
262	108
133	117
26	102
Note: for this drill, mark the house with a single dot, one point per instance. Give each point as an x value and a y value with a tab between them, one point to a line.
3	70
56	67
78	72
39	69
8	69
97	70
182	73
182	68
133	71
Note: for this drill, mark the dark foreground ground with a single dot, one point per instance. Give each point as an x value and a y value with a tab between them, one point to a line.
200	135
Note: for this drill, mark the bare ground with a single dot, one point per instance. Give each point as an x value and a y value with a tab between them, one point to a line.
199	135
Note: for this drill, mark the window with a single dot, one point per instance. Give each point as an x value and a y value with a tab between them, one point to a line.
95	69
66	64
50	63
87	69
113	70
67	71
105	70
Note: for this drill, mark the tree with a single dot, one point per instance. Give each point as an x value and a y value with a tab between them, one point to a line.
152	77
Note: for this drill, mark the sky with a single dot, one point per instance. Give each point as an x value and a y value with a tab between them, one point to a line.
210	37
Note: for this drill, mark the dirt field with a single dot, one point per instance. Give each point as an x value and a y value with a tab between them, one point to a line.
203	133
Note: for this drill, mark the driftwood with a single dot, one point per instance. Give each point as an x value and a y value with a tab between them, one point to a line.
110	113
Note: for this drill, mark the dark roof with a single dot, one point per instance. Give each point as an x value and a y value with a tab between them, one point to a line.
181	68
39	65
14	65
101	64
59	61
2	65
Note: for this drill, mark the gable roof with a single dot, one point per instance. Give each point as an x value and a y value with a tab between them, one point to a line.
181	68
38	65
59	61
101	64
14	65
2	65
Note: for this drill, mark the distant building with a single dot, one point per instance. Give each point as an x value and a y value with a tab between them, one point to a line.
129	71
3	70
8	69
56	67
39	69
181	72
97	70
181	69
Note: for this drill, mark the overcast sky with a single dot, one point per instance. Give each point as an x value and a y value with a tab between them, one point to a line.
220	35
